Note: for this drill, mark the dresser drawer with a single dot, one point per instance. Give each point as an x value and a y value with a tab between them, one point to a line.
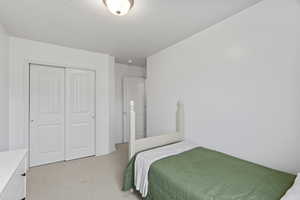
16	188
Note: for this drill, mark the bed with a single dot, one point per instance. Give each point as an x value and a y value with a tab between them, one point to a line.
200	173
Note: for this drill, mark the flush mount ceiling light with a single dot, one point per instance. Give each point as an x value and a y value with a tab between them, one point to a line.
119	7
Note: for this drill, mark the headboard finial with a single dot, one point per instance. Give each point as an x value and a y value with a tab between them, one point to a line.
131	105
179	103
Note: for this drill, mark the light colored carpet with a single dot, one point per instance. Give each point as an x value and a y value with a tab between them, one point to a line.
94	178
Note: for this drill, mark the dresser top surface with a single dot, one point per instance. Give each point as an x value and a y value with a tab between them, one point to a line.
9	162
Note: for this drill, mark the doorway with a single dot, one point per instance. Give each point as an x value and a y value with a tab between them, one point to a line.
134	90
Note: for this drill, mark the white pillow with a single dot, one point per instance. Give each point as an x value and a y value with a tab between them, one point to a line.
294	192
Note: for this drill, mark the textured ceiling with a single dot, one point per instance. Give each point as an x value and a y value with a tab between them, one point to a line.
151	25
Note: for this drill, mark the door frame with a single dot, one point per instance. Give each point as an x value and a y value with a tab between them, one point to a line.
125	103
30	62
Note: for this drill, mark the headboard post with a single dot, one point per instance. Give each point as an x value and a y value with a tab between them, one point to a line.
180	119
132	131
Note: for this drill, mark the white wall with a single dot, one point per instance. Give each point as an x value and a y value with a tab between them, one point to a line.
23	51
239	81
122	71
4	88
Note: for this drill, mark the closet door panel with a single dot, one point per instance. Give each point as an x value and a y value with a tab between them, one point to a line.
46	115
80	114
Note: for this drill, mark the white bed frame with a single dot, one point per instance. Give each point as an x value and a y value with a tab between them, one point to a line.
137	145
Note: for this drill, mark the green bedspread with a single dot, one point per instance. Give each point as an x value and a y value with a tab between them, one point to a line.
202	174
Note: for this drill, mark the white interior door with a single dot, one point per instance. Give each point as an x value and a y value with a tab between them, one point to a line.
134	90
46	114
80	114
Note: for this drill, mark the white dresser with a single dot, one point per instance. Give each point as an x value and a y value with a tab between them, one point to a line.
13	175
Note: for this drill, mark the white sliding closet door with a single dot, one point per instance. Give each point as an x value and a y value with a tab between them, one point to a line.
80	113
46	114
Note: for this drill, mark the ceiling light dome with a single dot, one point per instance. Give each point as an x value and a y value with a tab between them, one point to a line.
119	7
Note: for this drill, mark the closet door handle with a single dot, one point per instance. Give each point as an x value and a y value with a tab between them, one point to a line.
24	174
23	198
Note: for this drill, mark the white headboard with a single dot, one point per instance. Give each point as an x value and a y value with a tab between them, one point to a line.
137	145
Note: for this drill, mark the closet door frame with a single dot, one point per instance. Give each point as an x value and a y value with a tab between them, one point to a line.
27	64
